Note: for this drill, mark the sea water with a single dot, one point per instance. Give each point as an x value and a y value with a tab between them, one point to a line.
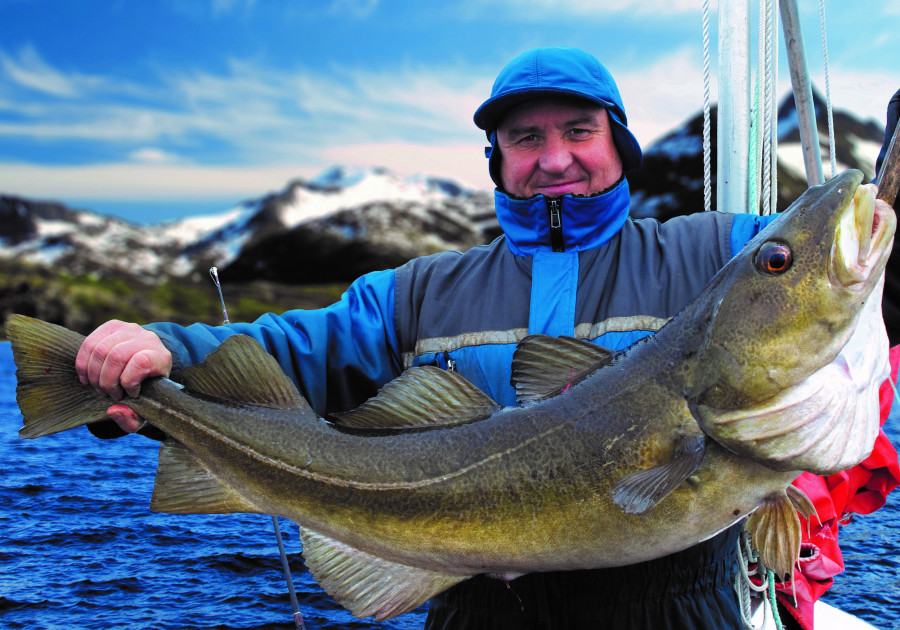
80	549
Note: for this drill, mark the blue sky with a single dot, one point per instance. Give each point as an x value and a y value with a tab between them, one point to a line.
151	110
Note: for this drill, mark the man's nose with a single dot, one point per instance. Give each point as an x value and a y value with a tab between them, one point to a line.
555	157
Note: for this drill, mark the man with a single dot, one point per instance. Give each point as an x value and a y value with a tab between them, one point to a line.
570	262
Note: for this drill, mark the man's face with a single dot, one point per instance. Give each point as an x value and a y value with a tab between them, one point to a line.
555	147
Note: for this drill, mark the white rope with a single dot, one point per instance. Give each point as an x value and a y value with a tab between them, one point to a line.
769	110
827	89
743	584
765	115
773	100
707	146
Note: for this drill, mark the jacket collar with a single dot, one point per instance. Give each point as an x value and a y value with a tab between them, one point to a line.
584	222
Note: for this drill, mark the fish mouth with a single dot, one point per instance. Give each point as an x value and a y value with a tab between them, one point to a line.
863	239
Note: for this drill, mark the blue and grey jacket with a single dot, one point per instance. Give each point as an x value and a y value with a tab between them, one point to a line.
572	266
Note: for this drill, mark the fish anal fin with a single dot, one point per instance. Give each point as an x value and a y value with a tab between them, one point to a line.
367	585
639	491
775	532
185	486
241	370
421	397
544	366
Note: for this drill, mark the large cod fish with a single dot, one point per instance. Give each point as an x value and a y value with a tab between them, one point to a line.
611	460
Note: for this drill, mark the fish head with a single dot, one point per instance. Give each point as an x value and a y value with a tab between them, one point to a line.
794	347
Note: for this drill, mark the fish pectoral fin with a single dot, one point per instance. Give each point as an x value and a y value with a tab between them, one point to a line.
241	370
544	366
185	486
366	584
638	492
776	535
421	397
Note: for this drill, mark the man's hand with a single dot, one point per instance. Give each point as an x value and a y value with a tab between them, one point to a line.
115	359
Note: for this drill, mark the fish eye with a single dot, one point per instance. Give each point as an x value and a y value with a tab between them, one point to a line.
773	258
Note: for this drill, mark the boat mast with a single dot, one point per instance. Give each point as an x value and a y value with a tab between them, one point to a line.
733	114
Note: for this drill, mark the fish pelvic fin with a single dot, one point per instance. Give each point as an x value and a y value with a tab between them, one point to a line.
241	370
775	531
368	585
424	396
639	491
48	392
544	366
185	486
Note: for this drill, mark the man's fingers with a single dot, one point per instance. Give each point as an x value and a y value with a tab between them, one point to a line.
89	346
125	417
144	364
117	356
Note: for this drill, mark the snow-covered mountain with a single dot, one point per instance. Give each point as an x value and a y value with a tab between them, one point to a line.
345	222
372	209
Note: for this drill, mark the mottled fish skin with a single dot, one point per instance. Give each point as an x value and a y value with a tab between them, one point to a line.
619	460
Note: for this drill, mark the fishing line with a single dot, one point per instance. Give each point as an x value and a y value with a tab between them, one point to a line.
285	565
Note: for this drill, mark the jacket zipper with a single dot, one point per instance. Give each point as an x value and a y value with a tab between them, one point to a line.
556	231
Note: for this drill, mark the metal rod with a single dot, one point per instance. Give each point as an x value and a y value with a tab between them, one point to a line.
733	114
286	569
214	274
802	86
285	565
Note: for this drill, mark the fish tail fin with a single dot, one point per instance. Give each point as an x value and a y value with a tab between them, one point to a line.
48	391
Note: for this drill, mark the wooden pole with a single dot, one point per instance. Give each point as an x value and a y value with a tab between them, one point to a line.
803	98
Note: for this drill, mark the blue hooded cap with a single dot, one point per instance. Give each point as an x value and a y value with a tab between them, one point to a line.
556	72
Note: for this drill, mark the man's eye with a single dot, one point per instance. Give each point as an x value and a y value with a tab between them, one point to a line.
525	139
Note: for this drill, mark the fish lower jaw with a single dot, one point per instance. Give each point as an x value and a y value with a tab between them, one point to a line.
863	239
853	271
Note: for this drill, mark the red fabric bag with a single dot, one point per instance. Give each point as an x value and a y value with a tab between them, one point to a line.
860	490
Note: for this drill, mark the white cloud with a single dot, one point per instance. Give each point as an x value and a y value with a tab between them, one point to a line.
30	71
143	182
255	114
660	96
151	155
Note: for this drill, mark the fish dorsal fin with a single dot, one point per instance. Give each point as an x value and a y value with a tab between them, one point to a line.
775	531
185	486
421	397
544	366
367	585
638	492
241	370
